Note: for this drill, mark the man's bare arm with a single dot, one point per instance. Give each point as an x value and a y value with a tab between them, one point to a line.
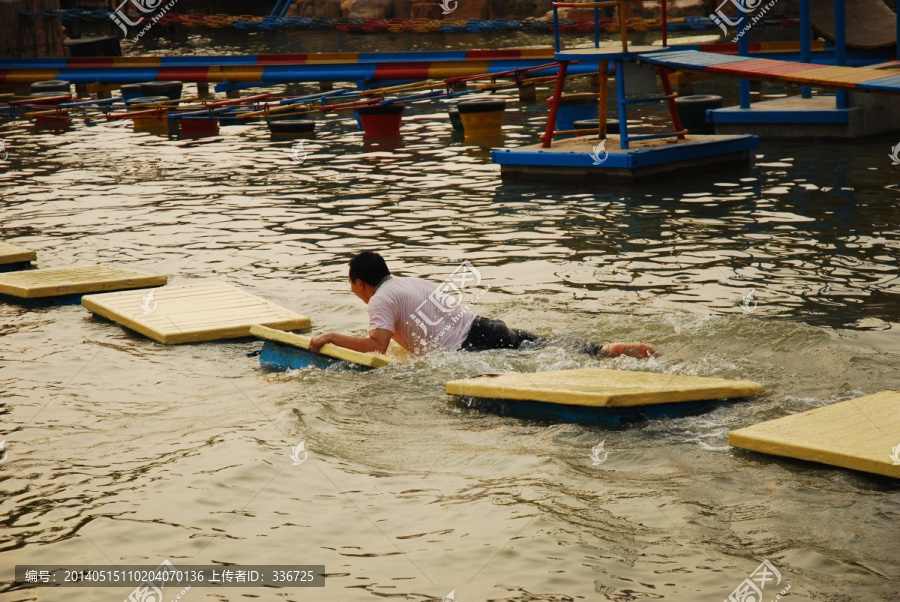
378	340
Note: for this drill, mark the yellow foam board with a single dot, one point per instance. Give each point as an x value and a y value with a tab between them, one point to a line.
190	313
10	253
861	434
32	284
596	387
373	360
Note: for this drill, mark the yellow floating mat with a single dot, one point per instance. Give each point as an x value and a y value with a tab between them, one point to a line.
372	360
206	311
56	282
595	387
10	253
862	434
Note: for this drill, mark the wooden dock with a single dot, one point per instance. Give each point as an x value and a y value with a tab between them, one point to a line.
60	282
599	388
861	434
206	311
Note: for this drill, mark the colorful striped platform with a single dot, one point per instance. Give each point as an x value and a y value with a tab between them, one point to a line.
599	388
60	282
844	78
15	257
860	434
206	311
299	344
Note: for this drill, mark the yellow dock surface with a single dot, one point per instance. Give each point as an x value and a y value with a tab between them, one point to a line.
372	360
56	282
861	434
10	253
206	311
595	387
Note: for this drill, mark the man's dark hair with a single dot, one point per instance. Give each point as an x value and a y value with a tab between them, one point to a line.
369	267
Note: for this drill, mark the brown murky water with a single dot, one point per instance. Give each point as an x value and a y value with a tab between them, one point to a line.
124	451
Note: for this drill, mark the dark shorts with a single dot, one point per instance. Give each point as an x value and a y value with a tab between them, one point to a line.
495	334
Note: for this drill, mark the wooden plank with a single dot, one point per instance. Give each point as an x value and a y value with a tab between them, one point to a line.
595	387
57	282
860	434
205	311
372	360
10	253
837	76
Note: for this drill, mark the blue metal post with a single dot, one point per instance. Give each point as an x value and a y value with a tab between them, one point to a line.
840	46
556	27
744	50
805	42
620	98
596	27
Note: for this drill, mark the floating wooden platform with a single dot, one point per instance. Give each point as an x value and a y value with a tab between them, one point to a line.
599	388
206	311
10	253
861	434
297	354
571	159
59	282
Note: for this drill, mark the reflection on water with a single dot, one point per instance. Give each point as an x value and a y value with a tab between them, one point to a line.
121	450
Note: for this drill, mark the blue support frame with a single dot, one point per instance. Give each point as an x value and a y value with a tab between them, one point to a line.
744	50
622	102
805	42
840	45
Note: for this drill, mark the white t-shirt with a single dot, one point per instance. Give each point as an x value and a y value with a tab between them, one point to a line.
421	317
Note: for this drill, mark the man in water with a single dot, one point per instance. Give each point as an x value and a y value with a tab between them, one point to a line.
422	318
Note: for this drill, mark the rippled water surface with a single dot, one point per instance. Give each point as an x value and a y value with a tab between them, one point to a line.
125	451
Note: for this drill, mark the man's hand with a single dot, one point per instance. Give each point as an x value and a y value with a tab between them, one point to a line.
316	343
638	350
378	341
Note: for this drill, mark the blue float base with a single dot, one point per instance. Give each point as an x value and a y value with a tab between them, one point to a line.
571	160
609	417
812	118
15	267
43	301
280	357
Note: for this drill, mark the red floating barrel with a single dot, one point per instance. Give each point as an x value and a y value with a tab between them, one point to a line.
194	128
381	120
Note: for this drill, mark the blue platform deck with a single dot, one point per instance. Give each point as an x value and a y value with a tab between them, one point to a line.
572	158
